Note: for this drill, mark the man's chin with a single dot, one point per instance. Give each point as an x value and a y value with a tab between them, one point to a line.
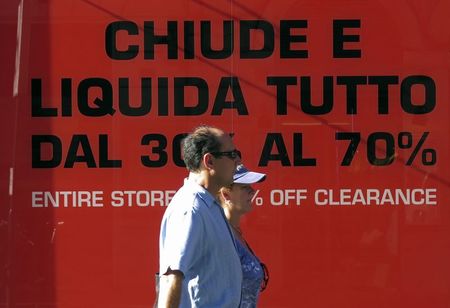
229	182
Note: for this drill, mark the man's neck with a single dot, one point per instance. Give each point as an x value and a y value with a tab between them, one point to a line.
203	179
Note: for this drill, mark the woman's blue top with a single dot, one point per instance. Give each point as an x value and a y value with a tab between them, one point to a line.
252	273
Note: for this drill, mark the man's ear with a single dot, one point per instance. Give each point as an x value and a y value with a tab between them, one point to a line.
208	161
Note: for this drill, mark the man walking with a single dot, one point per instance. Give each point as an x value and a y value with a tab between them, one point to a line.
199	265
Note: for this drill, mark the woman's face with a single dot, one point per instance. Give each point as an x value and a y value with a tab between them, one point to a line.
241	197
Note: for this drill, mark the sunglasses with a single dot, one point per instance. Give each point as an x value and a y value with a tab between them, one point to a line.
230	154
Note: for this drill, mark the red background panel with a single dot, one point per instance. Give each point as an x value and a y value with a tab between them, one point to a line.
318	256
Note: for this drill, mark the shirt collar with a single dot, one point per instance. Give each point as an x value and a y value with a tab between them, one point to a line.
201	191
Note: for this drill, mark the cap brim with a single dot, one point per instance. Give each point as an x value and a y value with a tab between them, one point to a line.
250	178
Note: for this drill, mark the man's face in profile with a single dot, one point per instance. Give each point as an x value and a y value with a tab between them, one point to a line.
225	164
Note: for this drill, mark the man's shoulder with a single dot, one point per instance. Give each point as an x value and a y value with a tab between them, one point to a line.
187	199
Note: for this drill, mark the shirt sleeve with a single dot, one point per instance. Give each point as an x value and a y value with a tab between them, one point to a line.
182	243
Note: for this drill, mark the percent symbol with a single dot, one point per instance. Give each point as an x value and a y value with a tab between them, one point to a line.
405	141
258	200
